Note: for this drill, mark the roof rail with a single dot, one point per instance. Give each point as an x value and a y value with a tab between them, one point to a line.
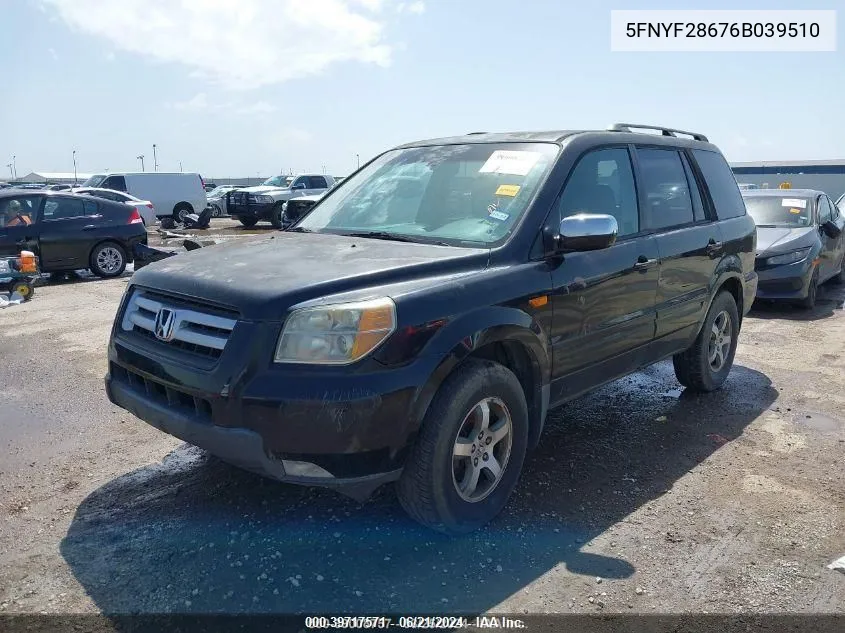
665	131
471	133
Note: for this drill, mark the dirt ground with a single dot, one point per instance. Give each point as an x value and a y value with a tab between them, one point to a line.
641	498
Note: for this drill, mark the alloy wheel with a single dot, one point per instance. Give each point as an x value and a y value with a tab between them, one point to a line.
482	449
720	341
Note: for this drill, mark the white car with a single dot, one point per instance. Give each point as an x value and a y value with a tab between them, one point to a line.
145	207
217	199
172	194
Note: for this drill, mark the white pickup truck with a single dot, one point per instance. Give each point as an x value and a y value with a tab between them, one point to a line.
266	202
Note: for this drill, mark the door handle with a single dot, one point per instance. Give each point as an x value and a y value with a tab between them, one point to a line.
643	263
89	227
714	247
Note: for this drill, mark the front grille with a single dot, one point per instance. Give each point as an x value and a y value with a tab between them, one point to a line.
189	326
173	398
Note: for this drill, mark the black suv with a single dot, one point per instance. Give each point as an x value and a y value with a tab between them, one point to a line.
420	322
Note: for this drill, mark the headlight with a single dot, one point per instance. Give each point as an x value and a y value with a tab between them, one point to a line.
336	334
4	266
264	199
788	258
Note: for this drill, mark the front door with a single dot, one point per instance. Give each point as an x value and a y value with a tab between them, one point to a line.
18	224
68	232
604	300
689	242
830	259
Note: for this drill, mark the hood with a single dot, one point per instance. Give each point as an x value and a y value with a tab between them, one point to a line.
263	276
781	239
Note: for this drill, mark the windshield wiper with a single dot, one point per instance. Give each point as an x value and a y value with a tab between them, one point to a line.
298	229
384	235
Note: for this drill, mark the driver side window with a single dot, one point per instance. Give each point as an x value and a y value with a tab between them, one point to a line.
300	183
603	182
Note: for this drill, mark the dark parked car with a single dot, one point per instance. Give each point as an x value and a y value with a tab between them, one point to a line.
799	242
69	231
372	343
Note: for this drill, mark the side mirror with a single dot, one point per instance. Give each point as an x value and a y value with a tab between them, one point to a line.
587	232
831	230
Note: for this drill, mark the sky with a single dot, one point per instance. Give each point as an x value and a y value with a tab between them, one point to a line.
249	88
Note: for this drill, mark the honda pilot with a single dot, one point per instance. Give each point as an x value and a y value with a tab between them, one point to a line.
420	322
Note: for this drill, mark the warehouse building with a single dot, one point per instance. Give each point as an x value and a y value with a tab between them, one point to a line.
54	177
823	175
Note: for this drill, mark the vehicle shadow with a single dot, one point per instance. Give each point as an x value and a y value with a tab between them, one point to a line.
191	534
78	277
830	298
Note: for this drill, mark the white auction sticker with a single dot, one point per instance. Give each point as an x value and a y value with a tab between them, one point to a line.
728	30
794	202
511	162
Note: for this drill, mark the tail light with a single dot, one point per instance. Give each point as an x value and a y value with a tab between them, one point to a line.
135	217
202	182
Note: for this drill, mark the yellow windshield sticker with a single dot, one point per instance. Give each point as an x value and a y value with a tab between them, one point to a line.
507	190
795	211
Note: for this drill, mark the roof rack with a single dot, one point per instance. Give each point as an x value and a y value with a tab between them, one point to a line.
665	131
471	133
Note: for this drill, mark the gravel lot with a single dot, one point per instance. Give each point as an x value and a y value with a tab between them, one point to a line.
641	498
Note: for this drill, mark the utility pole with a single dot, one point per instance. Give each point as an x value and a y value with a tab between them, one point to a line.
14	169
140	157
358	156
11	173
74	167
180	165
155	160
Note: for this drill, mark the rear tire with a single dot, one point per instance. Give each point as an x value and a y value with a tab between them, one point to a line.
248	222
809	302
443	485
217	213
706	364
181	210
108	260
277	216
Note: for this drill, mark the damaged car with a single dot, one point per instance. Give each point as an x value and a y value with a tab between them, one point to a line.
420	322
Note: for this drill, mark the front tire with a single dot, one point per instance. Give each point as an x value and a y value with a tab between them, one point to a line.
247	222
108	260
24	288
217	212
470	450
706	364
809	302
277	215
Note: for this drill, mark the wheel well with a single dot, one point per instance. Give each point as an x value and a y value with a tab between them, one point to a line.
733	286
516	357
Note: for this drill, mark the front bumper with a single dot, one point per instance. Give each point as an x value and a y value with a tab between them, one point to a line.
251	210
789	281
343	428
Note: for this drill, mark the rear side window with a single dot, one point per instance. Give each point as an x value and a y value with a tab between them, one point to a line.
603	182
63	209
118	183
665	188
90	207
317	182
721	183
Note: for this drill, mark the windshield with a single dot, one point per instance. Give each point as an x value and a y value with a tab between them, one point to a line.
218	191
461	193
94	181
278	181
777	211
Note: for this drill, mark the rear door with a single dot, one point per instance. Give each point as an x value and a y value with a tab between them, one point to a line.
831	246
19	224
69	230
688	242
316	185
